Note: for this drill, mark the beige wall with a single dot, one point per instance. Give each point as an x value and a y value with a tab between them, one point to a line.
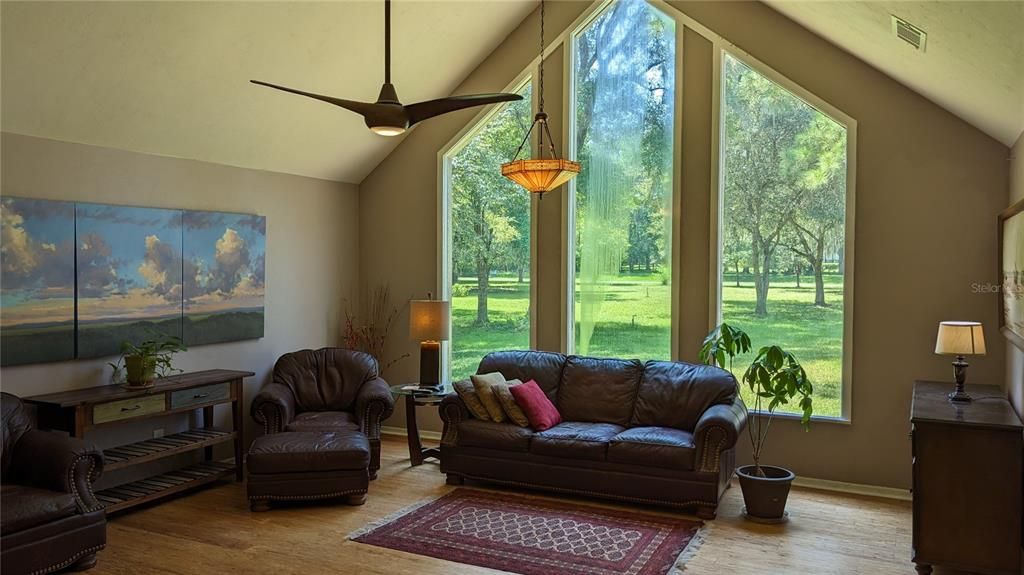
1015	356
928	188
312	242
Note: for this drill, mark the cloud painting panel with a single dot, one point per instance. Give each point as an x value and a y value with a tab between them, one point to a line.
129	276
37	281
224	276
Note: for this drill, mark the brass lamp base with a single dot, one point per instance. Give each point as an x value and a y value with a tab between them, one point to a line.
960	374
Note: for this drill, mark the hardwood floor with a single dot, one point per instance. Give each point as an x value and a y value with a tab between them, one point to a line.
213	532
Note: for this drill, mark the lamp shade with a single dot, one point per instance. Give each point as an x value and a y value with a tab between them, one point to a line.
428	320
540	175
960	338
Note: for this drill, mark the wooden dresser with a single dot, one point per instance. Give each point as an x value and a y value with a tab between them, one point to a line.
77	411
967	480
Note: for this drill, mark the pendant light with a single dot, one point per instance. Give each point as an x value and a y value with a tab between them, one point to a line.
540	175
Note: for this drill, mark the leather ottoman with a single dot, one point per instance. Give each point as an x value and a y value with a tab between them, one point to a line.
307	465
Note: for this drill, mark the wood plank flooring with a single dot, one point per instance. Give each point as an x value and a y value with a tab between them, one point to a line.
213	532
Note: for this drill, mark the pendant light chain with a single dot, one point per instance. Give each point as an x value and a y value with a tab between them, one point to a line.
541	55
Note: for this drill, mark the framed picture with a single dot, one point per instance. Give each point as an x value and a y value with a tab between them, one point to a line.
1011	273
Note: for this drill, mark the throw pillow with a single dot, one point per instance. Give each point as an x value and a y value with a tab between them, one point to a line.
484	385
469	396
538	408
508	402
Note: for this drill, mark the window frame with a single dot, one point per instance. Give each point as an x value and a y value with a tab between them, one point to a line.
444	236
849	260
568	303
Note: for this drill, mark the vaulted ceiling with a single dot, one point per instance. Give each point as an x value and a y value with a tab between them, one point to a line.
171	78
973	63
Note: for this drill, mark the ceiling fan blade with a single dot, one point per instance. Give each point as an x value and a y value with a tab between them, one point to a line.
363	108
423	110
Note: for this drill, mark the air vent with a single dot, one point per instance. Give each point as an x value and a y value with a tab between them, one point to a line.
909	33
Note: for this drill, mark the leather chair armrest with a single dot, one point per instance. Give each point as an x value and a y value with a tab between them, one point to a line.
374	404
274	407
717	431
60	463
453	410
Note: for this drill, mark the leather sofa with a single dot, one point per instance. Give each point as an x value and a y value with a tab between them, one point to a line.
659	432
49	518
328	389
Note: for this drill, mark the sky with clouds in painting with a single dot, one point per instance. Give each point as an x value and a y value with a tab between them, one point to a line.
37	266
224	261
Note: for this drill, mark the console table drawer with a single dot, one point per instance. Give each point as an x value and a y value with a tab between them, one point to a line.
127	408
200	395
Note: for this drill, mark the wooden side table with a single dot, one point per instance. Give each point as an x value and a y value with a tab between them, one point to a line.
416	396
80	410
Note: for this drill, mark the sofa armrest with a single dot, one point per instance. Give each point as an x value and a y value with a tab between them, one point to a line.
453	411
717	431
274	407
60	463
374	404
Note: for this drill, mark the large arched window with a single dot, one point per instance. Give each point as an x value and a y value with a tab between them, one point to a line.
487	239
623	104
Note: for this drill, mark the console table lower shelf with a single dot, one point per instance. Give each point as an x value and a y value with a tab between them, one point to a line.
79	411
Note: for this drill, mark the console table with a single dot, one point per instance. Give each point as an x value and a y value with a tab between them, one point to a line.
967	480
80	410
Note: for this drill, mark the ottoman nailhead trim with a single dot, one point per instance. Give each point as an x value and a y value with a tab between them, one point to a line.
301	497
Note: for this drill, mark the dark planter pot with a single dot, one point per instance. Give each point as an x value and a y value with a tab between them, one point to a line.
765	497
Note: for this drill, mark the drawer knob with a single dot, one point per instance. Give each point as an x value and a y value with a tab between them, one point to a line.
131	408
200	395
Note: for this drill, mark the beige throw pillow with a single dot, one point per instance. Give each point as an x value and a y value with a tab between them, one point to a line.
470	397
484	389
508	402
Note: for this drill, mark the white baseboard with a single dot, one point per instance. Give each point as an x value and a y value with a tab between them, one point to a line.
809	482
400	431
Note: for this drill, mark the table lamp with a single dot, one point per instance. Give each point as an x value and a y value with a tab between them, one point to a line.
960	338
429	324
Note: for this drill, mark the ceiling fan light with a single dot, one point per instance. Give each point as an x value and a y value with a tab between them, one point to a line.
387	130
540	176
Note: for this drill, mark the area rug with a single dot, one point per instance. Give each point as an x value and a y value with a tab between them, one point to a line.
534	536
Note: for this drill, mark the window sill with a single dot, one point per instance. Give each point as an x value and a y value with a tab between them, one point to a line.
796	417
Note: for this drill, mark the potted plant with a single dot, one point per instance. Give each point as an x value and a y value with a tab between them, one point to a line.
141	364
775	377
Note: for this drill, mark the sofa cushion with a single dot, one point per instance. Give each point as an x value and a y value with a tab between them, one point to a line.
323	421
308	451
508	403
538	409
491	435
676	394
27	507
575	440
484	386
598	390
544	367
471	399
653	446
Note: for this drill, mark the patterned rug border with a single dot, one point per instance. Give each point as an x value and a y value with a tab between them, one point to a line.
678	567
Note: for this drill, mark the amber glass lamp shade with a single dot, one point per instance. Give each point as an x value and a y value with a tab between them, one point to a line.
540	175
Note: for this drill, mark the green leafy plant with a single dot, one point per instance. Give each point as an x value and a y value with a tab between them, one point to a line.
775	377
151	356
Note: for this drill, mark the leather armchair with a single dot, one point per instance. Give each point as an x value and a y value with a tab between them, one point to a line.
51	519
328	389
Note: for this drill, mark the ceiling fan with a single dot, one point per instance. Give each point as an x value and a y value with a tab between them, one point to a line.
387	116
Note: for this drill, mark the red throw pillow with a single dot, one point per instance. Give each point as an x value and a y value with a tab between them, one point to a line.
538	408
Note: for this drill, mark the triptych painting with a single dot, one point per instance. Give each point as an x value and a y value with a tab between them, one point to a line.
78	279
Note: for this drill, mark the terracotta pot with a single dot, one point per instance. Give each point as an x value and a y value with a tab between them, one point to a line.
765	497
139	371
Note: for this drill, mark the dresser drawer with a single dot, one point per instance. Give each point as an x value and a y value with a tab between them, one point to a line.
200	395
127	408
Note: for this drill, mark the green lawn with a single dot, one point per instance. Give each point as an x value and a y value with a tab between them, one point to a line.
642	305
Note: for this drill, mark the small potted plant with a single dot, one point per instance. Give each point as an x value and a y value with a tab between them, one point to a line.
775	377
141	364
